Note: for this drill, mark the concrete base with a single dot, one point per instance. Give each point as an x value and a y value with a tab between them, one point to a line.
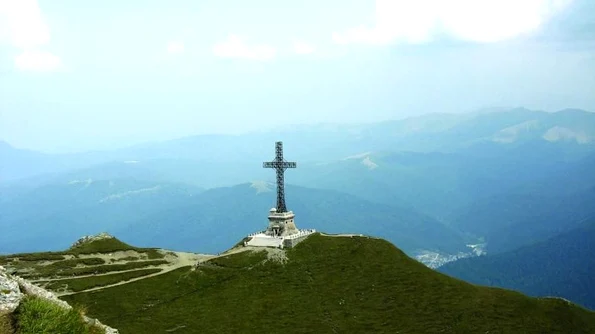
263	240
294	239
281	224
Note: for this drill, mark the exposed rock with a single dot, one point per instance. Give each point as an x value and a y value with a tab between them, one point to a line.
14	288
558	133
96	323
262	186
33	290
10	294
91	238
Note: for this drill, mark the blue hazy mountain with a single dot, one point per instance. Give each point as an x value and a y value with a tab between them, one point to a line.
532	211
562	266
219	217
186	218
442	183
51	216
572	130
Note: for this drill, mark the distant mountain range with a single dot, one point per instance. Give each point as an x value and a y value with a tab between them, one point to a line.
187	218
50	216
218	217
534	210
428	133
561	266
440	183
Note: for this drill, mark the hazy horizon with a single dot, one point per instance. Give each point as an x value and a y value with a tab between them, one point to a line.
76	79
127	144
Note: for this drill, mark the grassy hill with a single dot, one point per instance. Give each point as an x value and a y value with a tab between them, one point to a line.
107	260
327	284
561	266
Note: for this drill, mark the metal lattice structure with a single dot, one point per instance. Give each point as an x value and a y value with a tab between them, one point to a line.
280	165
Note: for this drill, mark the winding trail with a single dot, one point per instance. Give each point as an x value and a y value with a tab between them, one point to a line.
161	266
345	235
179	260
182	259
45	280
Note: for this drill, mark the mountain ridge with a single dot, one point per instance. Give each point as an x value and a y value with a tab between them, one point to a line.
462	131
146	216
559	266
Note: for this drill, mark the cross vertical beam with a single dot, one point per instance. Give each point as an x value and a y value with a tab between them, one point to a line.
280	165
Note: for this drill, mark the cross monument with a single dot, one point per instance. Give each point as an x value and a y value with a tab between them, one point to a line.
281	231
280	165
281	221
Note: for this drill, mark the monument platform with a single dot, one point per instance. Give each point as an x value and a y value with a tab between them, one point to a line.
262	239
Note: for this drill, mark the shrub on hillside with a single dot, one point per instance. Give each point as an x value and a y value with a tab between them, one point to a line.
36	315
45	256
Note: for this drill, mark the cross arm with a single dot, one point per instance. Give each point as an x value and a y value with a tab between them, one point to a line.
276	164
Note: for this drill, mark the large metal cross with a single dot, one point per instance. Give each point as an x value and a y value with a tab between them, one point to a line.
280	166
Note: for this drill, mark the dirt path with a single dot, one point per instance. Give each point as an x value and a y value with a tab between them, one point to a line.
60	294
95	275
181	259
344	235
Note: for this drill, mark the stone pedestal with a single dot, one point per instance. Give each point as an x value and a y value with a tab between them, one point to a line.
281	232
281	224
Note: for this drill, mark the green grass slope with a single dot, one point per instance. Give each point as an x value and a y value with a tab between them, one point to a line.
106	245
328	284
94	257
110	245
100	246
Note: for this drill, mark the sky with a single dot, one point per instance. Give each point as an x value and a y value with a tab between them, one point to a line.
79	75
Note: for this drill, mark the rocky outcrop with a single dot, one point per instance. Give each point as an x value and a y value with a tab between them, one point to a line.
13	289
91	238
30	289
10	294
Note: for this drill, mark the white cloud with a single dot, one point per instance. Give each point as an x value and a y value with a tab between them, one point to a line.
23	24
418	21
175	47
37	61
235	47
302	48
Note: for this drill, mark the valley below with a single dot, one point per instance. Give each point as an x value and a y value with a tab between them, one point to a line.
435	260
